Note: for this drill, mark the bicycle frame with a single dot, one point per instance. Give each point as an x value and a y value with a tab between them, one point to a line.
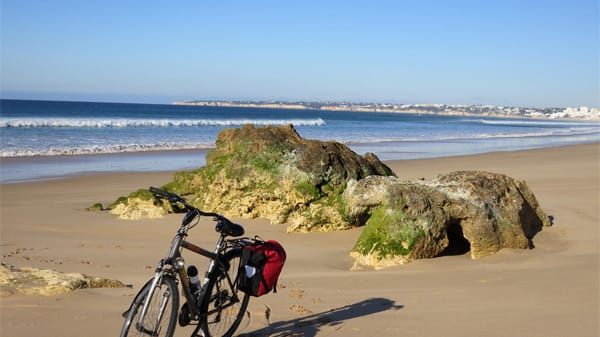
215	262
203	306
175	264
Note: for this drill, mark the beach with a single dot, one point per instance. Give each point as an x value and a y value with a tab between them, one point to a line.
551	290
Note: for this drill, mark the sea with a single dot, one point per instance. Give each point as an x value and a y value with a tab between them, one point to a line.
51	139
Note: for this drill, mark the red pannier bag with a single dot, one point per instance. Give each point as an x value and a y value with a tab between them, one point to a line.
260	267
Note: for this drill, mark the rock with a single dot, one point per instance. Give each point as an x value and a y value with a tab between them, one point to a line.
507	210
46	282
140	205
273	173
95	207
480	212
136	208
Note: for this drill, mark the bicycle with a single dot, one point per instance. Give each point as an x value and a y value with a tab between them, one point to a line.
216	306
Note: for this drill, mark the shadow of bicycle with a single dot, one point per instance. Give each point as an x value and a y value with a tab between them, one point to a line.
308	326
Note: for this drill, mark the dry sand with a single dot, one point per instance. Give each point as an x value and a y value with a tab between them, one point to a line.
551	290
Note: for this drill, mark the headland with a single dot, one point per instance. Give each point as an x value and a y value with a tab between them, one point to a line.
576	113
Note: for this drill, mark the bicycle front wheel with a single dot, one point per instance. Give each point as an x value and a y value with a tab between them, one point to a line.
224	305
161	314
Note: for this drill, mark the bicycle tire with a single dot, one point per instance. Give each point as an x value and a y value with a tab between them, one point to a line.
167	290
224	322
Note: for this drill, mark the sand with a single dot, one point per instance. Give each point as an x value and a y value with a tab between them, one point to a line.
551	290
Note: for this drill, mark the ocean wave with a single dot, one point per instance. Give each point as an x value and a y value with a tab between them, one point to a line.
108	145
133	123
537	122
475	137
107	149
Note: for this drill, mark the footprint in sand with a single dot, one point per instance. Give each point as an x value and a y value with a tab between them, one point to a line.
297	293
300	310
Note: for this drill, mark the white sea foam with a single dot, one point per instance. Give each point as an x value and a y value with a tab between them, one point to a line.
534	122
107	149
479	136
161	123
57	150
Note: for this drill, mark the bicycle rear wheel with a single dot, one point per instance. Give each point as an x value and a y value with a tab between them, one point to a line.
161	314
224	305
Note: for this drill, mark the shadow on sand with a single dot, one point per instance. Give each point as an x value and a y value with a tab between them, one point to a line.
308	326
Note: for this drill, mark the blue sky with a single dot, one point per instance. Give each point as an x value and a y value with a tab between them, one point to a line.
504	52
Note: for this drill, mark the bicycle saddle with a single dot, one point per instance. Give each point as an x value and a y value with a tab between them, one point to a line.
229	228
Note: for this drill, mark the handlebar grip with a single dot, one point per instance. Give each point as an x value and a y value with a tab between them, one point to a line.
160	193
172	197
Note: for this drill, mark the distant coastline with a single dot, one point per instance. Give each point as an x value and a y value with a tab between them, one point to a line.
576	113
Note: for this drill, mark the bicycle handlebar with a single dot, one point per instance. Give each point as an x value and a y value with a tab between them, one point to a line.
175	198
172	197
224	225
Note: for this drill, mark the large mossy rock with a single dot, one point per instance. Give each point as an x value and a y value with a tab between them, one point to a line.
273	173
480	212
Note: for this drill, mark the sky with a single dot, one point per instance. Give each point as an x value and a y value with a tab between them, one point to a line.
500	52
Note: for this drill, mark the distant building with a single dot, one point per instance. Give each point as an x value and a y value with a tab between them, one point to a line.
582	112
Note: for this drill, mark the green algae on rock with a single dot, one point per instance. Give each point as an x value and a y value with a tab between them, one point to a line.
465	211
95	207
273	173
140	204
269	172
